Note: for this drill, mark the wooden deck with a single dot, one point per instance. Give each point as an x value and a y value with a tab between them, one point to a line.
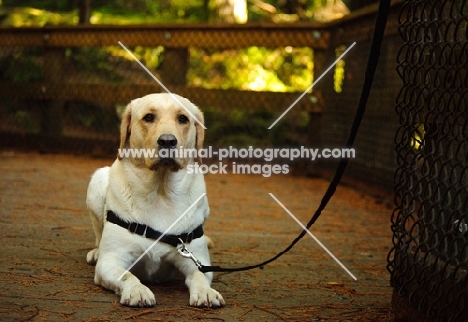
46	232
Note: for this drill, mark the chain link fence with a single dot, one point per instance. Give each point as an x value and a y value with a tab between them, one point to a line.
429	260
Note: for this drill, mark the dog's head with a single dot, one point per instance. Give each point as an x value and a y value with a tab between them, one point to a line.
160	127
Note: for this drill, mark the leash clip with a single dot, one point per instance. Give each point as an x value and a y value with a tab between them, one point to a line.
183	250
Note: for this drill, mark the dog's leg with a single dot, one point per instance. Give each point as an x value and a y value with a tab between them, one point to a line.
199	284
118	251
93	255
109	269
201	293
96	201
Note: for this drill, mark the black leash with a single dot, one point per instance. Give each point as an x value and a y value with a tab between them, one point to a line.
374	53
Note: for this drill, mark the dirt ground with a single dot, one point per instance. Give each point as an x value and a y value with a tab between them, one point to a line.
46	232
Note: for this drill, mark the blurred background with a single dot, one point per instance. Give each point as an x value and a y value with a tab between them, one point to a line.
65	80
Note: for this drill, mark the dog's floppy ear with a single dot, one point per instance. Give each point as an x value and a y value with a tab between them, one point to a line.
125	128
200	132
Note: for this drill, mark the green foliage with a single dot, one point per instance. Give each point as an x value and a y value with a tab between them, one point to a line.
243	128
95	62
252	68
339	74
143	11
151	57
51	5
21	114
28	17
55	12
20	13
21	66
257	12
92	116
25	121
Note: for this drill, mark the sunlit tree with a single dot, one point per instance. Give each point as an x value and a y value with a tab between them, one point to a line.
233	11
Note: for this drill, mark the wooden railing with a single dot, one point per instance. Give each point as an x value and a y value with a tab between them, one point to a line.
177	39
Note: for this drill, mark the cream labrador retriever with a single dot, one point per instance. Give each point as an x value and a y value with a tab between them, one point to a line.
133	202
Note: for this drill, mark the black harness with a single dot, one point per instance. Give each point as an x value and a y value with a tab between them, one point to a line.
148	232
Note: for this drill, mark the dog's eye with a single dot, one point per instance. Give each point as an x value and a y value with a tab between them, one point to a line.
148	118
183	119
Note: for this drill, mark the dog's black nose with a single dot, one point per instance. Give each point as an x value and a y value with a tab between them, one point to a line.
167	141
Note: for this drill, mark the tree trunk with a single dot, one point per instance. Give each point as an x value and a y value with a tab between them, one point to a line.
84	11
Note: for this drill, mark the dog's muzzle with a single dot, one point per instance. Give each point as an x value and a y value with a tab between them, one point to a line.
167	141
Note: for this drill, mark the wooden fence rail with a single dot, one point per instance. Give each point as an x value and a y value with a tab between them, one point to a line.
177	39
173	36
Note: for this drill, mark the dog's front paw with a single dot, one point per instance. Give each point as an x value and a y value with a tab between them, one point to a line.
206	297
138	296
92	256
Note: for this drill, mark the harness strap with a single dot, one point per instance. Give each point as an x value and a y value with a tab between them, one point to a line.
148	232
